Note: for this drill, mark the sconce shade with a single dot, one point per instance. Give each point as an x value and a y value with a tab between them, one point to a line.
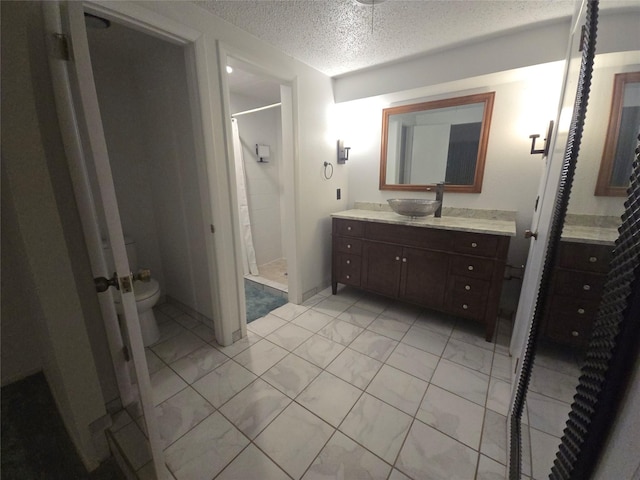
343	152
547	141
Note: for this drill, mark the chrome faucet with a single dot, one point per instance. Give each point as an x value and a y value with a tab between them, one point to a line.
439	198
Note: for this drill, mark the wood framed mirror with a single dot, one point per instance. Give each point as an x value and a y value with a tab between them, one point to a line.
624	122
438	141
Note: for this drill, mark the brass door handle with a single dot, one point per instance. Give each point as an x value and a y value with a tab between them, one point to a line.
529	234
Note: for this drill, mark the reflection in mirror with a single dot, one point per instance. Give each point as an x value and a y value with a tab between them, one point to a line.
431	142
624	125
577	280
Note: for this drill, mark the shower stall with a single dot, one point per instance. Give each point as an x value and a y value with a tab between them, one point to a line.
257	137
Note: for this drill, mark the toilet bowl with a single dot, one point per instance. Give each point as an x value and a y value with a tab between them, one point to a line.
147	294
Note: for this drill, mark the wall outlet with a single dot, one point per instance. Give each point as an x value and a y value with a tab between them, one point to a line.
338	194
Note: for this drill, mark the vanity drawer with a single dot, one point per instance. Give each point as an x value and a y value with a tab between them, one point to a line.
348	228
348	245
475	244
348	269
584	256
471	267
467	287
570	321
578	284
428	238
471	307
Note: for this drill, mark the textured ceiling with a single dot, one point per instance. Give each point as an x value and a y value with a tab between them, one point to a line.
341	36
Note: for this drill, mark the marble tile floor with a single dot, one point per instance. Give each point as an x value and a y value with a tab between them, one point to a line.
548	403
348	386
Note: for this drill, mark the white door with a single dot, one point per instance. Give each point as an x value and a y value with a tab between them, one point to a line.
76	94
547	191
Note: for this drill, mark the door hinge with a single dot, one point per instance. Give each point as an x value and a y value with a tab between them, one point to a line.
213	229
61	46
125	352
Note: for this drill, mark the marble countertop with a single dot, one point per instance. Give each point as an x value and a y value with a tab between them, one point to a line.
465	224
587	234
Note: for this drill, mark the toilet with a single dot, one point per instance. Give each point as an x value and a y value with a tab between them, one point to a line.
147	293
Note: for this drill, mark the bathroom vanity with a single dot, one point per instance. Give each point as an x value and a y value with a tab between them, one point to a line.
577	283
450	264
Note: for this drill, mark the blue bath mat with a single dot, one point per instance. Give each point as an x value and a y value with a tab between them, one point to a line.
260	302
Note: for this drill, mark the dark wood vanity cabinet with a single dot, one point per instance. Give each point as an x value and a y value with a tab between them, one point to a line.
576	290
455	272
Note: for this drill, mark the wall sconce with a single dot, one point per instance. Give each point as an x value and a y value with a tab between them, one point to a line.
263	153
343	152
544	151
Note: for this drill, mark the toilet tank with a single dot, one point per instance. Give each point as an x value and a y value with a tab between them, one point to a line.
132	254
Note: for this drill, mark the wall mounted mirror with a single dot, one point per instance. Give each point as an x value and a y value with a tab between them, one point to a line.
430	142
624	122
583	336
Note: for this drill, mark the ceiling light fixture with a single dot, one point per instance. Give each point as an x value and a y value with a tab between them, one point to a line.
372	4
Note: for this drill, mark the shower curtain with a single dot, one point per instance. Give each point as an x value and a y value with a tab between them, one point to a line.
249	264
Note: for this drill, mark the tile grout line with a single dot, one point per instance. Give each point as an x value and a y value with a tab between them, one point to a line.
324	369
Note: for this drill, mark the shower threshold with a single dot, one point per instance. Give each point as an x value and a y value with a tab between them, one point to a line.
272	275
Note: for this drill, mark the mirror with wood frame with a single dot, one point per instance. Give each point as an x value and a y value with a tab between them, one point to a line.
624	125
438	141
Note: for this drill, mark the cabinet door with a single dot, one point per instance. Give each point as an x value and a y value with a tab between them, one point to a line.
424	277
381	267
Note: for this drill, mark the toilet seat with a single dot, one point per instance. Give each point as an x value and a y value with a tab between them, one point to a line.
143	290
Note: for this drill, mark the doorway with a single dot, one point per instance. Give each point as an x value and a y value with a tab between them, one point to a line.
141	83
257	130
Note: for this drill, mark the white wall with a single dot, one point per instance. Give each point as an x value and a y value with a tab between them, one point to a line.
263	179
172	161
121	108
525	101
20	351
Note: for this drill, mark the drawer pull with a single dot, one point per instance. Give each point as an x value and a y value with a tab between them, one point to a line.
348	245
575	333
593	259
465	306
397	258
470	268
404	260
467	287
581	311
348	262
349	228
348	277
586	287
474	244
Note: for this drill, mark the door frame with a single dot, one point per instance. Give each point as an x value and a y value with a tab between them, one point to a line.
288	88
211	152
